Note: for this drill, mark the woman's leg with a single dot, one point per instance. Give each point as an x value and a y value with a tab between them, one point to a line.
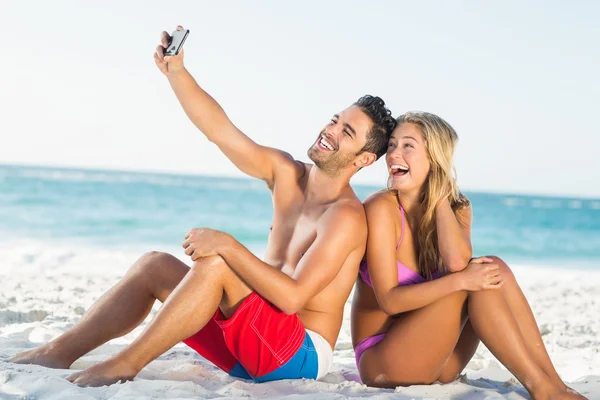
115	314
496	327
527	325
462	354
523	316
417	345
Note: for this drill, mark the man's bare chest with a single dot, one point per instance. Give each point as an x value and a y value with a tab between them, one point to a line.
291	236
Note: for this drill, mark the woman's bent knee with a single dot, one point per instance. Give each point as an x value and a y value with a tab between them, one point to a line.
505	271
459	296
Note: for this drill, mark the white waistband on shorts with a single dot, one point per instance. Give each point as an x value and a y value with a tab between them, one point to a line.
324	353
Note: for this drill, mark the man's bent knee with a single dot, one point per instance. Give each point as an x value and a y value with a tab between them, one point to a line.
211	264
234	289
154	258
217	268
155	264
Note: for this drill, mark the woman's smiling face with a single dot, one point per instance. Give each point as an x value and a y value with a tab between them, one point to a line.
406	158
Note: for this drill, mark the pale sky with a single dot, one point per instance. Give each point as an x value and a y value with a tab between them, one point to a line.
517	80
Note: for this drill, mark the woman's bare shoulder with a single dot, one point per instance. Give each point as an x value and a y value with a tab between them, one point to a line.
382	200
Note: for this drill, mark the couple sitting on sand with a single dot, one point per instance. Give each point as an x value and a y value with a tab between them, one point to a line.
421	303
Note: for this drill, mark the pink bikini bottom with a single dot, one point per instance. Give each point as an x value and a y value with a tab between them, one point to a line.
365	344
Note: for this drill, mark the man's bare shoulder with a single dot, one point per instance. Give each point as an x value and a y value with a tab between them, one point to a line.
346	216
286	167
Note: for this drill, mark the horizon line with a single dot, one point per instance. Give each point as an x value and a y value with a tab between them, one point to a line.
113	170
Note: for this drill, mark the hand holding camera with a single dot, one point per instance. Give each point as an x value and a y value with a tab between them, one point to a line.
169	54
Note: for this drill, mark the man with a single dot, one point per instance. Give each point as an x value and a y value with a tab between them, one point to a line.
272	319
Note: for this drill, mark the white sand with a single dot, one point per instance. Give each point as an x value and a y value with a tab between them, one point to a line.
46	289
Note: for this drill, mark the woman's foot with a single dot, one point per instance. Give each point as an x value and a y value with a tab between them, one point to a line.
554	394
569	392
573	394
106	373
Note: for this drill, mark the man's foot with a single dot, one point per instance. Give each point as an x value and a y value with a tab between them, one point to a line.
104	374
46	356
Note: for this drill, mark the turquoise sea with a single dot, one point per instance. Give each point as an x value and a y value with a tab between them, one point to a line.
112	210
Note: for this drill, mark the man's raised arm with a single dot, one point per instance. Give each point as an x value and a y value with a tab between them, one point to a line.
251	158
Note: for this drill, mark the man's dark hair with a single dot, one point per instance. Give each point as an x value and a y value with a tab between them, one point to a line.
383	124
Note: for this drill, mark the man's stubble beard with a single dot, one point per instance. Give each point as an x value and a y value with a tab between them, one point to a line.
331	166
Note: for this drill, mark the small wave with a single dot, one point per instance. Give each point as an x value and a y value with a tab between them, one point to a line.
538	203
165	180
575	204
513	202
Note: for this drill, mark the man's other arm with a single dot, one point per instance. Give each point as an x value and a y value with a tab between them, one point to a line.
340	231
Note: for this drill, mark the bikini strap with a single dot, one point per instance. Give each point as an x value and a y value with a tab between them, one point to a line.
402	232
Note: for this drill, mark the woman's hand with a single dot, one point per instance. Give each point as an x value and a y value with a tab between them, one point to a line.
481	273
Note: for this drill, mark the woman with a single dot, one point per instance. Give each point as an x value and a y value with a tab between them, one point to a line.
421	304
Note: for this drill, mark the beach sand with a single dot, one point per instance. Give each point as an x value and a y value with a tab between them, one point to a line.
46	289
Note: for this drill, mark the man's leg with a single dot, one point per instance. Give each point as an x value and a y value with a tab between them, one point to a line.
208	285
115	314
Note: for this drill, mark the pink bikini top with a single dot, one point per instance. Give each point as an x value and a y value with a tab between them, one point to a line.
406	276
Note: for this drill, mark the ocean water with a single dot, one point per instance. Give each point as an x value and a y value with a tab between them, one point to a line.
127	211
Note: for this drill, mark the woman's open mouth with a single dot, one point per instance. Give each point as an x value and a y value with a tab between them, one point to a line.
398	170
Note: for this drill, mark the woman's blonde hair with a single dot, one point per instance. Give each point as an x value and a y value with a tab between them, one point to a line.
440	140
